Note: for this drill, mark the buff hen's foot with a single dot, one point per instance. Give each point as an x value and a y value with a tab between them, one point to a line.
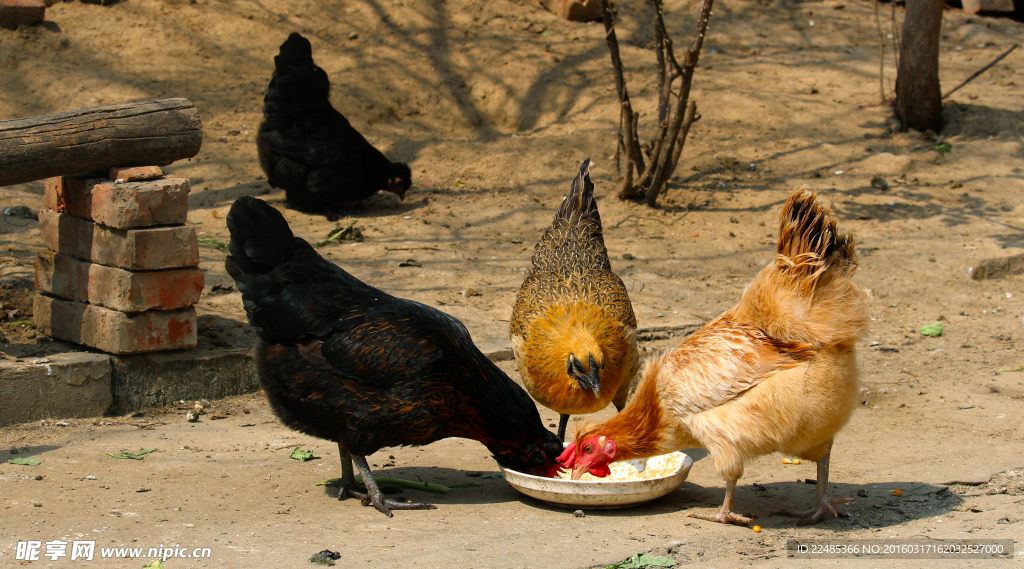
725	515
825	503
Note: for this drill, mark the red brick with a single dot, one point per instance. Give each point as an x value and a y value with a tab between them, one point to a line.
14	13
146	249
135	174
118	289
112	331
120	205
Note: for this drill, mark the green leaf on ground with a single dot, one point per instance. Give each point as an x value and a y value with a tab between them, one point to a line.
641	561
126	455
400	482
24	461
337	233
942	147
934	330
303	455
158	564
214	243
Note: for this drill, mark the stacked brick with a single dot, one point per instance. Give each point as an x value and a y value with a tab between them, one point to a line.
121	273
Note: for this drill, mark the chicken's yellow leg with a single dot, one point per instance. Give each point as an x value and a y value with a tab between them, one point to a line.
725	514
825	504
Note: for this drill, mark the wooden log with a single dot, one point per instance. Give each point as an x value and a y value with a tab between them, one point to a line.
87	141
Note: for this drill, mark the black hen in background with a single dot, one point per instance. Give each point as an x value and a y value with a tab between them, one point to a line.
343	361
310	149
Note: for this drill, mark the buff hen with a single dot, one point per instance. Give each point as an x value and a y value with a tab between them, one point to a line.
776	373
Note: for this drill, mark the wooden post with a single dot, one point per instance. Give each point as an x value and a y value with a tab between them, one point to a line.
918	96
86	141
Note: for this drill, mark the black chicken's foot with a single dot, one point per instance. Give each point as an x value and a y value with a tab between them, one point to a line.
374	495
814	515
563	422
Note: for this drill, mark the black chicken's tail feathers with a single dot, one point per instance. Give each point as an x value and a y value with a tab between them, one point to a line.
260	238
809	235
580	203
296	52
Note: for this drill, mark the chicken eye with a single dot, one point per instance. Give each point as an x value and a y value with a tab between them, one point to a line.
587	449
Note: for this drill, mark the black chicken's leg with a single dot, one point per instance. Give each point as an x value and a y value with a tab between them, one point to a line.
563	422
376	497
347	486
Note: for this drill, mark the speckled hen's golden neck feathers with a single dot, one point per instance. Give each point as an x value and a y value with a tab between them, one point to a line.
584	330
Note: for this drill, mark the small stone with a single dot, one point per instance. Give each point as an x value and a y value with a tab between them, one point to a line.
37	477
471	292
192	416
353	36
21	211
579	514
862	493
14	450
37	504
879	183
628	256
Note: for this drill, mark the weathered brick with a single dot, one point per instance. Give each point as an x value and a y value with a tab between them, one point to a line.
127	291
146	249
14	13
60	386
135	174
120	205
113	331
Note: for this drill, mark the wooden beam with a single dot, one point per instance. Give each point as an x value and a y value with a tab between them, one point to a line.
87	141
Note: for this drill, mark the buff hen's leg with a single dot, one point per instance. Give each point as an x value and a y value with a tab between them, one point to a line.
725	514
825	503
563	422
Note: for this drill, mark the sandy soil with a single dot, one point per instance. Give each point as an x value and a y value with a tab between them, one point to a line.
494	105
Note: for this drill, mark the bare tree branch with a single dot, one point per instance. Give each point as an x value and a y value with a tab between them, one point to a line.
662	172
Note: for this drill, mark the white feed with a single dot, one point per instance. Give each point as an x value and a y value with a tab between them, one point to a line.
637	469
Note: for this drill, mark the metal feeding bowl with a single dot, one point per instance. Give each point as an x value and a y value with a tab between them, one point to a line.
632	482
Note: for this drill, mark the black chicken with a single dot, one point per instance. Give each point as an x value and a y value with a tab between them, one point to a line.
310	149
343	361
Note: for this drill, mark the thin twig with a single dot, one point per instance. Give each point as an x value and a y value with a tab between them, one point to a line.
688	120
881	54
982	70
897	48
632	144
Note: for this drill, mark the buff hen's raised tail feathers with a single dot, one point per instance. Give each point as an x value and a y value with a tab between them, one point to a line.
776	373
573	329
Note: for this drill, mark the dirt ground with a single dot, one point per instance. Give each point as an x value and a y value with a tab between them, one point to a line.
494	105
